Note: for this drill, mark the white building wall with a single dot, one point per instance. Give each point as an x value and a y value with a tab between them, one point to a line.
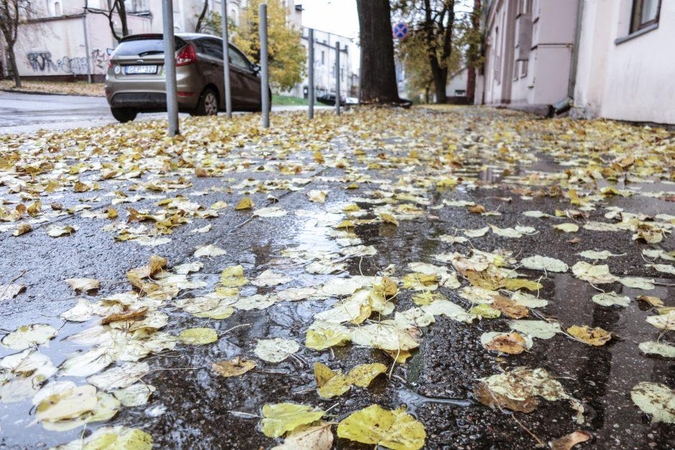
638	72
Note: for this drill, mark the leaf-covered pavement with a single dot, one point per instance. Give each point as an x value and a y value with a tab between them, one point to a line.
508	280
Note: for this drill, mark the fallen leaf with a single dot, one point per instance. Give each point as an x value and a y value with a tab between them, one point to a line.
663	322
653	301
567	227
509	308
568	441
22	229
536	328
282	417
8	291
510	343
198	336
544	263
209	250
655	399
59	231
658	348
111	438
234	367
611	299
318	437
275	350
244	203
83	284
593	274
377	426
272	211
28	336
317	196
590	336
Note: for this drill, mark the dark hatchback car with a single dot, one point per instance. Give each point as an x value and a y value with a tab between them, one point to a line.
136	80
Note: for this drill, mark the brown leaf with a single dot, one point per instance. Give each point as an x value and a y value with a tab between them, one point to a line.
575	240
234	367
568	441
477	209
512	344
495	400
128	315
653	301
509	308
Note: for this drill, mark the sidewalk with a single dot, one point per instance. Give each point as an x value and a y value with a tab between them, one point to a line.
441	246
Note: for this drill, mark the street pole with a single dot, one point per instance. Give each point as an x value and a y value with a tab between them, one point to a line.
86	43
264	85
337	78
310	74
170	68
226	61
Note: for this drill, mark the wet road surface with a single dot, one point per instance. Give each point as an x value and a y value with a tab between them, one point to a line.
499	160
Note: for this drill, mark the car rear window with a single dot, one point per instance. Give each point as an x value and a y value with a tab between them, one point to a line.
140	47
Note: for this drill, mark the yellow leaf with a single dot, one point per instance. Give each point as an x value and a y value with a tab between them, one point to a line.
244	203
198	336
319	437
283	417
377	426
388	218
22	229
591	336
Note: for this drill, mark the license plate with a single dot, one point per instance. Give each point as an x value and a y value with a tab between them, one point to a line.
133	70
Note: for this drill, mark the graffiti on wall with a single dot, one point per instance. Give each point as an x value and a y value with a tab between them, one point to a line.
42	62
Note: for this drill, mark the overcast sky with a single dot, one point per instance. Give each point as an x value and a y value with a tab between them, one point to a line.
335	16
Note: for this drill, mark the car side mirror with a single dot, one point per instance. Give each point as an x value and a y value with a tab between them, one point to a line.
256	68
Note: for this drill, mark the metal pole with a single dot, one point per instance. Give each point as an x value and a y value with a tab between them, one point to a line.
170	68
337	78
264	85
86	44
226	61
310	74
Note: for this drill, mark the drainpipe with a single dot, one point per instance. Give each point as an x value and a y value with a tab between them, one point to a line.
566	104
86	40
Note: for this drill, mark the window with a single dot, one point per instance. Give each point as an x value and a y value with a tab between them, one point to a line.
57	9
645	14
239	60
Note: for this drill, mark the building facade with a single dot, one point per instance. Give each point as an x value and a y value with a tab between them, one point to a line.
601	56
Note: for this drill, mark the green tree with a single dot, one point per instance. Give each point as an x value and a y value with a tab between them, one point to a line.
287	56
433	24
11	13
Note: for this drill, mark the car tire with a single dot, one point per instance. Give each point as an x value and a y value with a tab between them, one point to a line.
208	104
123	114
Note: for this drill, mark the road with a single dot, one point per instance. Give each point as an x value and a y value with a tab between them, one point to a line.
25	113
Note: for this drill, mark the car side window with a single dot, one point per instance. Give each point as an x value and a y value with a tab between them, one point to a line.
212	48
239	60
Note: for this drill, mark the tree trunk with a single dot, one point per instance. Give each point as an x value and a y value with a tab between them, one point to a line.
12	64
202	15
122	11
473	54
378	72
440	75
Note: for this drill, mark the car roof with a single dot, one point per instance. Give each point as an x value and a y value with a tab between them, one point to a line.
185	36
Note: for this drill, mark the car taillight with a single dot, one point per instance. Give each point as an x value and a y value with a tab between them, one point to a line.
186	56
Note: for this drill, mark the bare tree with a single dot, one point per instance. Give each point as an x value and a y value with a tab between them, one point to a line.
378	72
199	28
114	7
11	12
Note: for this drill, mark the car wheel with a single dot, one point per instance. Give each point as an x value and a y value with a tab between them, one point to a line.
208	104
124	114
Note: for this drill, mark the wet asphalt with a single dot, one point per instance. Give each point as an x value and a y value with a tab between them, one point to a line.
193	408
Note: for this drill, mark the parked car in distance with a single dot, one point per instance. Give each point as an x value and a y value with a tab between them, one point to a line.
136	81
